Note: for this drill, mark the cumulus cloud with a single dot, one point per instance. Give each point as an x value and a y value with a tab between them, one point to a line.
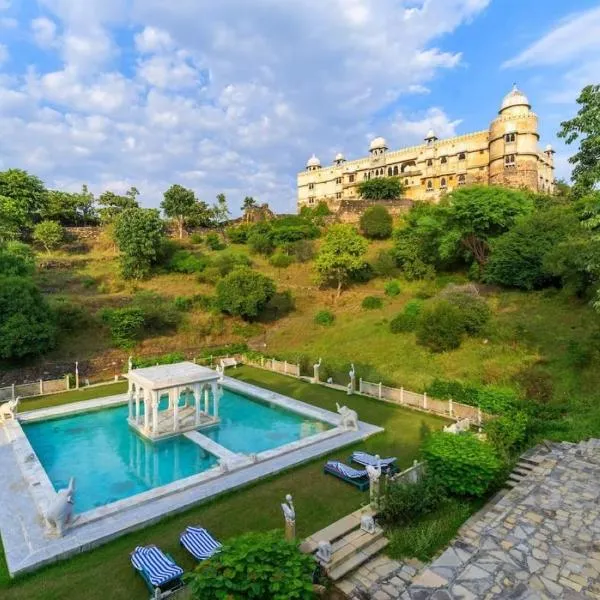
217	96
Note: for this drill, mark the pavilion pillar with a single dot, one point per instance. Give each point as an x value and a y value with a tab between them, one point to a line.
176	410
215	392
147	405
197	398
155	399
130	399
206	400
137	406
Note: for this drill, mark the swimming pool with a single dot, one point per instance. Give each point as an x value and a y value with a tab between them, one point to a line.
111	462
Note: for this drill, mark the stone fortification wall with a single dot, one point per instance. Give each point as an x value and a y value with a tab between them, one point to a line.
350	211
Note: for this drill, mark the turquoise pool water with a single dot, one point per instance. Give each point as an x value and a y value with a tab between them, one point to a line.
111	462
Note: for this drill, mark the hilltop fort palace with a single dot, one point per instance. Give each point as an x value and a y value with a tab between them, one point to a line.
505	154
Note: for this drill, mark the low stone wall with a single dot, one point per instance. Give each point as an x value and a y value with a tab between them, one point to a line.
350	211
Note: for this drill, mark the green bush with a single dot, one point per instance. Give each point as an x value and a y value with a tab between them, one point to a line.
160	314
49	234
405	502
324	317
463	465
196	238
384	264
507	433
126	325
183	303
392	288
261	243
16	259
255	566
376	223
407	320
281	304
536	383
69	316
222	264
183	261
204	302
371	302
475	312
238	234
214	241
301	250
164	359
440	327
279	260
244	293
490	399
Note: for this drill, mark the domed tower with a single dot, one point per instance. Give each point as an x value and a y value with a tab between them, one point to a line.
513	143
339	159
313	164
378	146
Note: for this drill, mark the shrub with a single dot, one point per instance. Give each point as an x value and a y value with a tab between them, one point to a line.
301	250
407	320
324	317
440	327
196	238
261	243
426	290
506	433
69	316
255	566
464	465
281	304
279	260
183	303
164	359
376	223
475	312
405	502
244	293
16	259
238	234
384	264
536	384
363	274
126	325
160	314
392	288
222	264
490	399
49	234
214	241
183	261
371	302
204	302
291	229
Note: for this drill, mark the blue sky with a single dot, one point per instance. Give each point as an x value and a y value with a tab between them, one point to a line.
235	95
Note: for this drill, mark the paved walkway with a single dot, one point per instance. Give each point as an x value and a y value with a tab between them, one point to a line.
541	540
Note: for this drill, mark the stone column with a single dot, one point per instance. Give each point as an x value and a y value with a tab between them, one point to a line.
197	399
147	408
176	411
155	400
206	399
137	406
216	392
130	403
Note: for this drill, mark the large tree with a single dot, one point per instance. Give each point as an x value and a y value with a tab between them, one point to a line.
585	128
27	197
244	293
49	234
220	211
139	234
179	204
70	208
114	204
341	255
13	219
381	188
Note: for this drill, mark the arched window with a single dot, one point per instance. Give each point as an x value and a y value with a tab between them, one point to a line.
429	185
443	182
369	175
396	170
462	156
365	176
406	182
509	160
461	180
390	171
510	137
429	162
444	160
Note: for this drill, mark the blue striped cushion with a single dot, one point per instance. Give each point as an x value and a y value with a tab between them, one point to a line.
158	567
345	470
199	543
364	458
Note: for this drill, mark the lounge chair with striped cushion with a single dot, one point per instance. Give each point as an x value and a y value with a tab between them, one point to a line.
199	543
365	459
356	477
157	569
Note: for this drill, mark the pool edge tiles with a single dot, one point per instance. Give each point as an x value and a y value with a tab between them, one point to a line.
27	545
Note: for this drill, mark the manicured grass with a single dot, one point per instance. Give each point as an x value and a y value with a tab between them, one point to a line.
106	572
87	393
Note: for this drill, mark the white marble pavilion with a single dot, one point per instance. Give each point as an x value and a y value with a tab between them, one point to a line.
193	392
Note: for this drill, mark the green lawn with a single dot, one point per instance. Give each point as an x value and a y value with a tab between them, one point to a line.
87	393
105	573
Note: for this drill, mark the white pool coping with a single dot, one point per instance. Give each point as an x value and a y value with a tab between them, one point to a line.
26	490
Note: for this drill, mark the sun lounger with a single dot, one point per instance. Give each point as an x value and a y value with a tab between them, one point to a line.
157	569
356	477
199	543
365	459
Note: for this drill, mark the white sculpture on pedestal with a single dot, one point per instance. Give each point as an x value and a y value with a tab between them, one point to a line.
220	370
60	512
289	513
8	410
324	551
374	474
349	418
316	368
352	384
367	523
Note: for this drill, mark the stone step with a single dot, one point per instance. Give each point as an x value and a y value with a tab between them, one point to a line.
332	532
356	560
352	544
523	469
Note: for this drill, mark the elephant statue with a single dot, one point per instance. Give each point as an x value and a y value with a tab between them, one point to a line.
60	512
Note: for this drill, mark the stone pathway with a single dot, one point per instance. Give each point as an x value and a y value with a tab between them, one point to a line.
540	540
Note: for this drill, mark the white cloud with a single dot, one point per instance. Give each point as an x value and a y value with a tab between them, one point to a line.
577	36
220	97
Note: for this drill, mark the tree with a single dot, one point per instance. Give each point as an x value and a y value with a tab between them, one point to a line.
341	255
244	293
179	203
27	192
50	234
376	223
16	259
114	204
13	219
472	216
220	211
585	127
440	327
27	324
381	188
200	216
70	208
249	202
139	234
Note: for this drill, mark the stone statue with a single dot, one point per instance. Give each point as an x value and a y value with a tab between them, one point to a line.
289	513
8	410
367	523
324	551
330	380
349	418
60	512
352	384
220	370
374	474
130	363
316	368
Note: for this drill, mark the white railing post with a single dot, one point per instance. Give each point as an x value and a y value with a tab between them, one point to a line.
76	375
67	384
41	387
479	416
379	390
425	401
285	366
13	391
360	385
402	395
450	408
298	370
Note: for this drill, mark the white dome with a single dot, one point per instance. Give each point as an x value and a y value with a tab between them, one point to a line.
514	98
339	157
549	148
430	135
313	161
378	143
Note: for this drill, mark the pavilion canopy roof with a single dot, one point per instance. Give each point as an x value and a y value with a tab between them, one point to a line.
167	376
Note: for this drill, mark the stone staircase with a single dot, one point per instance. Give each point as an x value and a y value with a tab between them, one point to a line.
351	546
527	463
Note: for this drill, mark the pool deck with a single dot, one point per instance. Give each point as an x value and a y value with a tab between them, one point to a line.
25	489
